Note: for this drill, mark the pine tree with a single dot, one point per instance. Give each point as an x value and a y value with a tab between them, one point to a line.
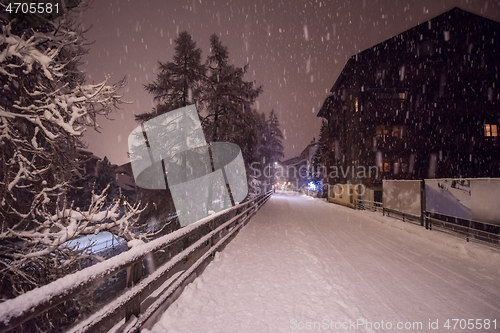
228	98
180	81
89	186
275	136
271	147
106	178
318	162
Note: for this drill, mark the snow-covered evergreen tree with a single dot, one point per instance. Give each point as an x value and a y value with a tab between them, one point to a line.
271	146
320	156
275	137
178	84
227	97
106	178
81	194
45	107
180	81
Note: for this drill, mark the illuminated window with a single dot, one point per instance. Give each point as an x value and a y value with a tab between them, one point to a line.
382	131
356	105
490	130
385	167
397	131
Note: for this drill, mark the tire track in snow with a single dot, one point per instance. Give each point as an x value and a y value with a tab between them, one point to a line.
370	286
351	308
459	279
426	251
361	228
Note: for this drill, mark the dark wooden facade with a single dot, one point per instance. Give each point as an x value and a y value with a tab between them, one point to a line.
423	104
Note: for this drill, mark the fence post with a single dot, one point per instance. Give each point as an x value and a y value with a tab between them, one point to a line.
134	275
422	205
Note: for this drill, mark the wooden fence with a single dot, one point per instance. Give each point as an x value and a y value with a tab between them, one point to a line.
155	275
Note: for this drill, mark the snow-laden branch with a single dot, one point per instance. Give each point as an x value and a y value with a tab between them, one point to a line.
45	107
68	224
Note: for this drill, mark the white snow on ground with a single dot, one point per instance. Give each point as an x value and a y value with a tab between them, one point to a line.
99	242
304	263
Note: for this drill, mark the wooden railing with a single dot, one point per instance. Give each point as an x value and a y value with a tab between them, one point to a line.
156	273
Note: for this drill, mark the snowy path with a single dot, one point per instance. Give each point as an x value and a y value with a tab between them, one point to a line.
302	260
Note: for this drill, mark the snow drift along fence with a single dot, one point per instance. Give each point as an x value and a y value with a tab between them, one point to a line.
486	233
156	273
464	207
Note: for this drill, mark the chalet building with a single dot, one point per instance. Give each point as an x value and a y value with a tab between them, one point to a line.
91	167
296	170
423	104
125	179
90	163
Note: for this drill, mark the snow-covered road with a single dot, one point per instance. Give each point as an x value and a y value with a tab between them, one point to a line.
303	263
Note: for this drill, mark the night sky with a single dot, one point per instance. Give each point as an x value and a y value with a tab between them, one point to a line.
295	49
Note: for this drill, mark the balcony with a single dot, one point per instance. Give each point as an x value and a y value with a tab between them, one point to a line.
386	142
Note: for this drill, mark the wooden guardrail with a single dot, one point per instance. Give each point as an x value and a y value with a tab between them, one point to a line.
156	273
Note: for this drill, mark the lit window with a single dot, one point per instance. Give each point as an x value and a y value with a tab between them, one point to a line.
381	131
397	131
385	167
490	130
356	105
